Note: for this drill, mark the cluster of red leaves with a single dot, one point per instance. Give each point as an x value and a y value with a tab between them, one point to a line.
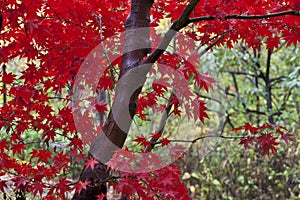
59	35
254	30
144	142
177	73
137	185
128	161
266	137
139	172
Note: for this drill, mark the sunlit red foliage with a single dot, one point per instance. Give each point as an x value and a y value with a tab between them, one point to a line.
55	36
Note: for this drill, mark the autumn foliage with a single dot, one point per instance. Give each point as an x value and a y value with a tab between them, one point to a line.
52	38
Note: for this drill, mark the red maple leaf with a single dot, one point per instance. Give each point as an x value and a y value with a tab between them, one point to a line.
48	135
268	143
199	110
246	141
142	141
76	142
273	42
37	187
238	128
204	80
156	135
63	185
17	148
165	141
250	128
8	78
81	185
42	154
3	145
91	163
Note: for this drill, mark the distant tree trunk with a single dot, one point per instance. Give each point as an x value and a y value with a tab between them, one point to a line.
139	17
268	88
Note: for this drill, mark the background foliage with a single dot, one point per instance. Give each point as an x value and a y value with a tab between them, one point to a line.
256	63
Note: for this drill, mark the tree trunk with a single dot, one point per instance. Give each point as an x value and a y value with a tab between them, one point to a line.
114	136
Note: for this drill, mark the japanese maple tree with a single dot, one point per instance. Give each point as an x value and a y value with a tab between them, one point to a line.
53	39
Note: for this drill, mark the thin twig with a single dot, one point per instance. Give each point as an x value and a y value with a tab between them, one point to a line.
246	17
111	68
64	20
207	136
214	43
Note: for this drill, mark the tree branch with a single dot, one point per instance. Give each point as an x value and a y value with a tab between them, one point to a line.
207	97
268	87
214	43
240	73
64	20
162	124
169	106
256	62
176	26
246	17
274	81
206	136
111	68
